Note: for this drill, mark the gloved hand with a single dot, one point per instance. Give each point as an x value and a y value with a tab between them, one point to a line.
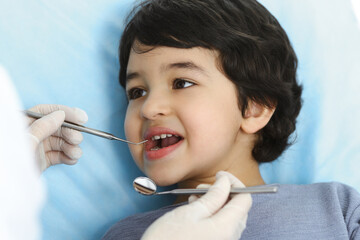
208	217
51	143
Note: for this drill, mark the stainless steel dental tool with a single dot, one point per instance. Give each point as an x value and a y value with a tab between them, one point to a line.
147	187
84	129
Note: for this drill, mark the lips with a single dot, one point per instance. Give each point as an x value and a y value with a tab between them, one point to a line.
161	142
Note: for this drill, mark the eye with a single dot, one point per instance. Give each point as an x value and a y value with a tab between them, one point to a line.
135	93
181	83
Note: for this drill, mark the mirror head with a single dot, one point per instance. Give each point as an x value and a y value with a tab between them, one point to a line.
144	186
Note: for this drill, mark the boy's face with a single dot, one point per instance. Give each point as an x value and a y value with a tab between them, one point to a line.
181	94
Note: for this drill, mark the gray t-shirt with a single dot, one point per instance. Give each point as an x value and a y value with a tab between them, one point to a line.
314	211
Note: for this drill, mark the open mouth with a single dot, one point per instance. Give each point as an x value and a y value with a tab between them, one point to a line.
161	141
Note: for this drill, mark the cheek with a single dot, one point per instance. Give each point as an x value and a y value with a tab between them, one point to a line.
131	125
132	129
127	125
212	126
200	126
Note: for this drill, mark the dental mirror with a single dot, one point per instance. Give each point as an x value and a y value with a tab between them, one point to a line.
147	187
144	185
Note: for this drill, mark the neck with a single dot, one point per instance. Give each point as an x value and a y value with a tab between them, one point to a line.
248	173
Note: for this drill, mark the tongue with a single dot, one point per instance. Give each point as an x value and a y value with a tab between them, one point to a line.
169	141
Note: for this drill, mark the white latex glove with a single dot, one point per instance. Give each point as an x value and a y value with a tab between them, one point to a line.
208	217
51	143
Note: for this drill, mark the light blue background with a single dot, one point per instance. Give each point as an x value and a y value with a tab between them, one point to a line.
65	52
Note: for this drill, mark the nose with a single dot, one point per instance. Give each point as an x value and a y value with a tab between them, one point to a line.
156	105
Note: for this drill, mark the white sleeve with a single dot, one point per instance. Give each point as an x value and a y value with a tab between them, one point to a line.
21	191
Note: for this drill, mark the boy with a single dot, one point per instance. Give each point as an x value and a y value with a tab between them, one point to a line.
212	86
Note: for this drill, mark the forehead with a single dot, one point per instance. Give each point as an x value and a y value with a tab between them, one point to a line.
167	58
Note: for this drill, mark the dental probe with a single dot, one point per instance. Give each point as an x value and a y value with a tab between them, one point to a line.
83	129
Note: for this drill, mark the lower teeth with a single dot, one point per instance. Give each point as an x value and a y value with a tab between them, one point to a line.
155	148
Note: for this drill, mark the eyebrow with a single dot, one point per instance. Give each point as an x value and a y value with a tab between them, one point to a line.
177	65
131	75
183	65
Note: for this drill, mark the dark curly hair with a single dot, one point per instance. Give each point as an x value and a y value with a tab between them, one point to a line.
254	53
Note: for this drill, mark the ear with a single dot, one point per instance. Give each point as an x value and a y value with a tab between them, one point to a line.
256	117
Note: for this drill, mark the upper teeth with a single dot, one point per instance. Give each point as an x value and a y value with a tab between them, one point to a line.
162	136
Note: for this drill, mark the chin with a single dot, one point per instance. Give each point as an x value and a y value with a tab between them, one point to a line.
162	179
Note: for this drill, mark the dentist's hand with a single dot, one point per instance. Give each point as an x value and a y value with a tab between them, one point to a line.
51	143
207	217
